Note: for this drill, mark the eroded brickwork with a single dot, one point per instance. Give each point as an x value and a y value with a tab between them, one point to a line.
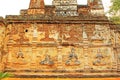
86	42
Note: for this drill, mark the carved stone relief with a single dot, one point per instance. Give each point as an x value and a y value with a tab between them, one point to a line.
47	61
33	32
20	57
46	57
101	58
102	32
50	33
63	36
72	58
97	34
16	33
20	54
71	33
42	57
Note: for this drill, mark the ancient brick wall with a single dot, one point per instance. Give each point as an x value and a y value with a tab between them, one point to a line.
39	40
36	46
2	36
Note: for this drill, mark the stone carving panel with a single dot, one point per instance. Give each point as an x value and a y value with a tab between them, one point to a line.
102	32
73	58
51	32
18	53
47	60
72	33
16	33
47	57
33	32
101	58
21	57
97	34
42	33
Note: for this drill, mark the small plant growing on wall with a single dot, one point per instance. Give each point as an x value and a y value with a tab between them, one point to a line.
5	75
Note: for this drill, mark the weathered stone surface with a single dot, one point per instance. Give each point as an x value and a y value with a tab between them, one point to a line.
65	7
36	7
41	41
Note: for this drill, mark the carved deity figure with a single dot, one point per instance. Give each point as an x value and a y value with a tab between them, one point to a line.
97	34
47	60
99	59
72	58
35	32
20	54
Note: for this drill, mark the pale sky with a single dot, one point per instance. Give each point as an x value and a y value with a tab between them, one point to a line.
13	7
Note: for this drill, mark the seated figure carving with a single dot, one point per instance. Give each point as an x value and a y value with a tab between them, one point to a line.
97	34
47	61
20	54
72	58
99	60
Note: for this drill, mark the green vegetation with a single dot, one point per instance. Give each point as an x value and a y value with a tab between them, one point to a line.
115	19
115	6
115	11
4	75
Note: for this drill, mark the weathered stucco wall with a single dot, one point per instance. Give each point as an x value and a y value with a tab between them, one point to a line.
40	46
40	41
